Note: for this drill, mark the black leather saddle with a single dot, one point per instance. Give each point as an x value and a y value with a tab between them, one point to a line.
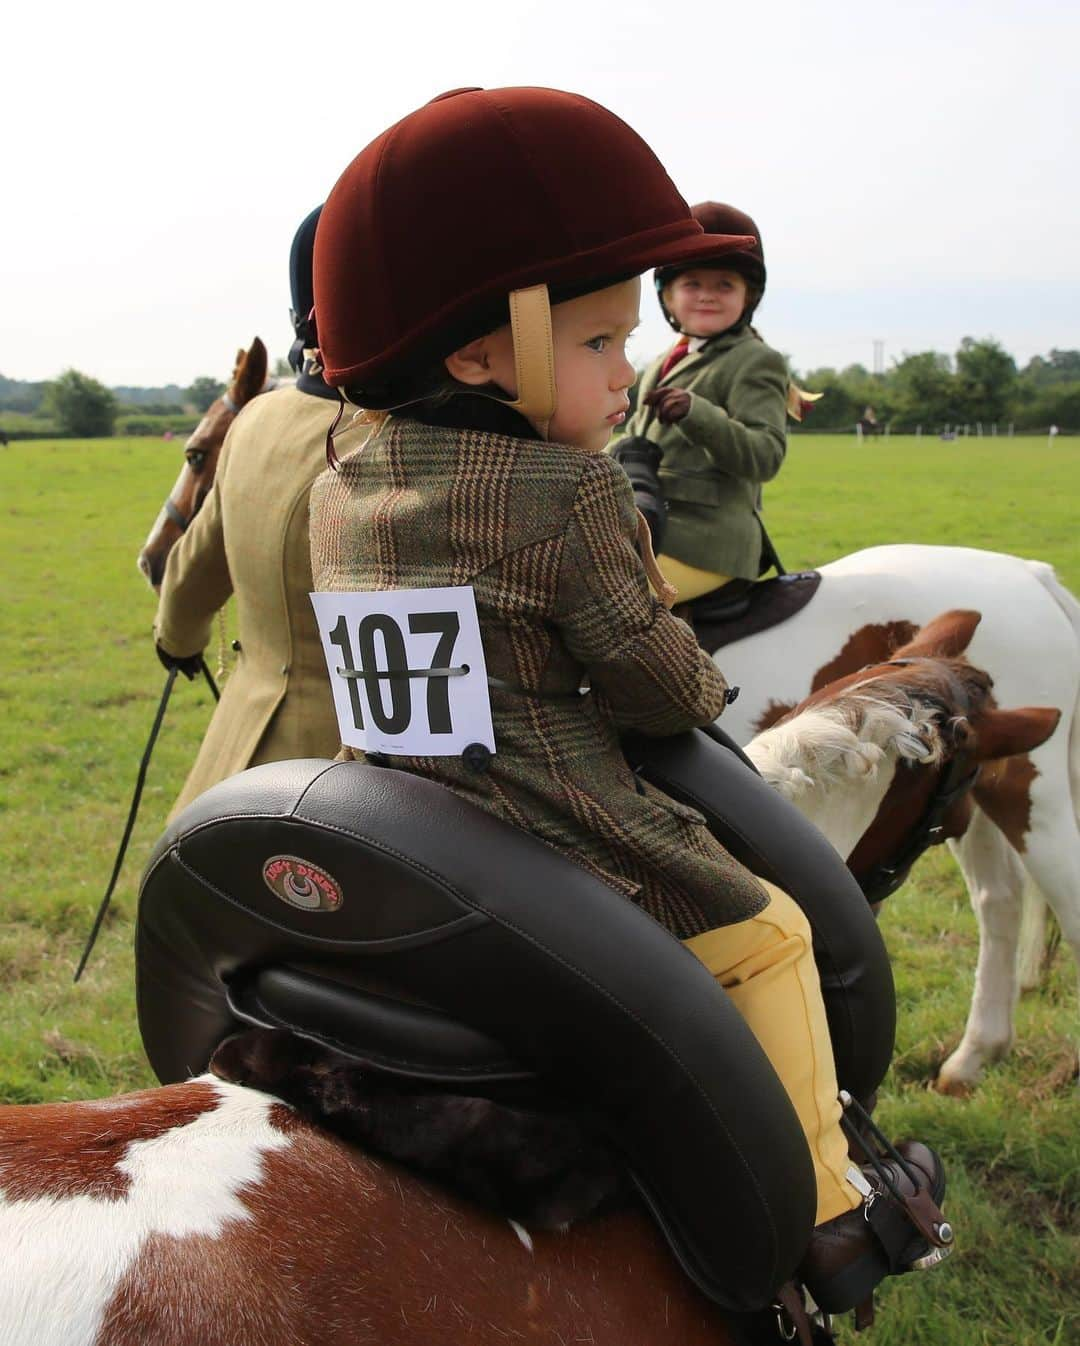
747	607
379	912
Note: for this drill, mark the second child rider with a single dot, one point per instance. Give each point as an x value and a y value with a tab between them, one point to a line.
716	408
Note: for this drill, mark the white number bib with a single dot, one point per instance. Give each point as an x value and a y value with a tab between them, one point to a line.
408	671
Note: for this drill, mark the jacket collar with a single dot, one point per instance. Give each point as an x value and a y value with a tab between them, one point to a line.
717	345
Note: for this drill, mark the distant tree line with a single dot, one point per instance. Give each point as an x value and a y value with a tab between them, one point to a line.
981	384
79	407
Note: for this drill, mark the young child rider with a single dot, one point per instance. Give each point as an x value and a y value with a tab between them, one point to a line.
490	473
715	406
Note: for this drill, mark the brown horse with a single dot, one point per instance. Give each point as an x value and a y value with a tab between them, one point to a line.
206	1211
201	454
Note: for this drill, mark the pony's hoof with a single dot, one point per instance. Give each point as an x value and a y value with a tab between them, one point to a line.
953	1087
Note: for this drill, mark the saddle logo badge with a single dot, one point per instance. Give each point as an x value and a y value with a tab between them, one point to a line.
302	884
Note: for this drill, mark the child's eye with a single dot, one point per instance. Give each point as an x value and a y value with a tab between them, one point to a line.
598	344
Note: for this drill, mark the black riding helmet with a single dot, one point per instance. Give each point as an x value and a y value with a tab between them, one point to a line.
302	289
717	218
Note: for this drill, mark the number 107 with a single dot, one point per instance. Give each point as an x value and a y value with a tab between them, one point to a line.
397	676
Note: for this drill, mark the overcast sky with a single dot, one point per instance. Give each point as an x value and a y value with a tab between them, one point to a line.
912	168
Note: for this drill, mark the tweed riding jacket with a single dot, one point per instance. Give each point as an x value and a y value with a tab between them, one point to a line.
731	440
544	533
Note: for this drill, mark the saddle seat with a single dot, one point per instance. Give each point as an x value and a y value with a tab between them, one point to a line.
745	608
501	965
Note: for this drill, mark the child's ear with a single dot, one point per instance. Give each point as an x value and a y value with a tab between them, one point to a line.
470	364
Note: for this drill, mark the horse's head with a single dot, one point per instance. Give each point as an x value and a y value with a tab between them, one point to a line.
201	454
883	760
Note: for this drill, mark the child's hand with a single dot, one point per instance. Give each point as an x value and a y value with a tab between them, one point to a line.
671	404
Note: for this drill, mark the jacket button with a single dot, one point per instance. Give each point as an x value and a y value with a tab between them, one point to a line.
476	757
284	669
236	646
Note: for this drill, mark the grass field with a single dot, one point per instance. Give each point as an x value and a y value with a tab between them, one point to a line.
79	684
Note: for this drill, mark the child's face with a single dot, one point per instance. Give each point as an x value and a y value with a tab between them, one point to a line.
706	301
592	372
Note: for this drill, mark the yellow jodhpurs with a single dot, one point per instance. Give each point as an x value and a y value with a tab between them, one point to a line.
690	582
766	965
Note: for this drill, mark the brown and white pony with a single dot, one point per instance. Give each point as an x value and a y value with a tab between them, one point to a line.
1021	847
210	1212
201	453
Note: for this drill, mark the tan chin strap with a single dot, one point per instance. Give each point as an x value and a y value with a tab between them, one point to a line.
534	356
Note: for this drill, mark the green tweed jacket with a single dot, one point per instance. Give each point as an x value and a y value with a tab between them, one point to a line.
544	533
714	460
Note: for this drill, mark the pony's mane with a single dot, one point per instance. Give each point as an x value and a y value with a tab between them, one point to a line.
915	719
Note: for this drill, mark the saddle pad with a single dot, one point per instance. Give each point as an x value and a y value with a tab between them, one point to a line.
769	602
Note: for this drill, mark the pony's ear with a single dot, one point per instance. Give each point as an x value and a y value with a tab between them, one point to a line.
1002	733
946	637
250	374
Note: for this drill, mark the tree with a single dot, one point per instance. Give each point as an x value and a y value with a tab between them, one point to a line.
925	391
986	380
84	408
204	392
1058	367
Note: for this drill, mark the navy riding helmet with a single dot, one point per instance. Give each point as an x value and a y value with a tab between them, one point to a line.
302	288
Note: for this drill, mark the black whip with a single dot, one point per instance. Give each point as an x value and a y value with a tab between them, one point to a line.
170	678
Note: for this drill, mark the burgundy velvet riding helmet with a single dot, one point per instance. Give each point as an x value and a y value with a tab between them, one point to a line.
479	193
749	261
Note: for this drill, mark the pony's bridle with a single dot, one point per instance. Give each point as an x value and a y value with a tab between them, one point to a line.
196	460
884	878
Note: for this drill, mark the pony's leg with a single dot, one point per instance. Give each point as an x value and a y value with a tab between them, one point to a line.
1031	958
1052	859
995	880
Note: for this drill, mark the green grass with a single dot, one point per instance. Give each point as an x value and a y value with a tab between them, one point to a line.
78	687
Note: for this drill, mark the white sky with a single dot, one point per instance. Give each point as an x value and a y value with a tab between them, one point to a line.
913	168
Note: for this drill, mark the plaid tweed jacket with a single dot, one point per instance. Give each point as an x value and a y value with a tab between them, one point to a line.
544	533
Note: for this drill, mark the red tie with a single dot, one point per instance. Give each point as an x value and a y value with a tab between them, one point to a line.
674	356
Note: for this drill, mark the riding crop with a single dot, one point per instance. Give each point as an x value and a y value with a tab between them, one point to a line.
170	678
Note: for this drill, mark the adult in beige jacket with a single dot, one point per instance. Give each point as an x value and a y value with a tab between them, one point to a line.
251	539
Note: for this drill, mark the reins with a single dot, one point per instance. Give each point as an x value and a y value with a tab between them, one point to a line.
170	679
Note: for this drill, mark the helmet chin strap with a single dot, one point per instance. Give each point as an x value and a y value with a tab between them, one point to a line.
534	356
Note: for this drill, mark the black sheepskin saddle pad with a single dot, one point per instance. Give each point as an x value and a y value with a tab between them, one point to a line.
544	1168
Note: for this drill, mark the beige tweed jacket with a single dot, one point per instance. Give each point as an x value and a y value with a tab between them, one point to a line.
251	539
544	533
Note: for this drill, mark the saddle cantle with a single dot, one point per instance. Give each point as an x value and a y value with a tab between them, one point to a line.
732	613
337	899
